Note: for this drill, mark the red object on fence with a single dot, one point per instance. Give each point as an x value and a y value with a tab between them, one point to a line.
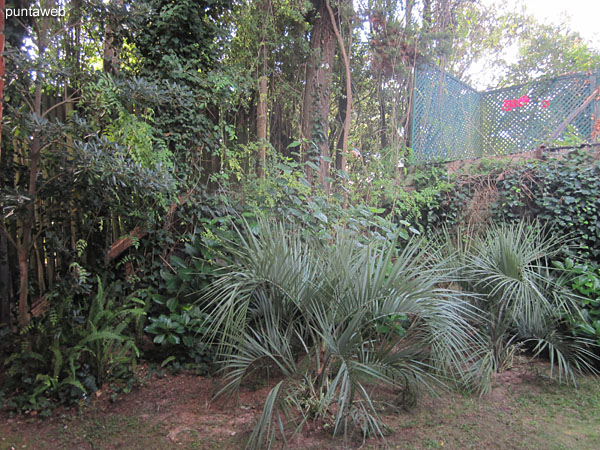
509	105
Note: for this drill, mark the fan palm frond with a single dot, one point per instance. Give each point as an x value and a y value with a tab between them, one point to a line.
309	312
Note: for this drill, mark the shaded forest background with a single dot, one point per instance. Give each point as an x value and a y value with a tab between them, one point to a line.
133	129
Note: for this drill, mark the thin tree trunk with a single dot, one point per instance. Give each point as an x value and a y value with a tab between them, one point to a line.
4	281
24	248
348	112
382	114
28	222
50	263
263	88
39	259
408	13
241	126
4	267
342	104
409	112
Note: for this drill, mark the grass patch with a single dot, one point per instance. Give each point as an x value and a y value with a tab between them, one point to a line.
525	414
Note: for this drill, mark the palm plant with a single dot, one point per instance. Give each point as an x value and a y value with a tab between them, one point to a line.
523	299
308	313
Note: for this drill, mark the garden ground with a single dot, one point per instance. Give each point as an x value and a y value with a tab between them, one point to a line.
523	411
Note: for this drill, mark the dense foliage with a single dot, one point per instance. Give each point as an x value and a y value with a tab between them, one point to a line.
213	185
562	192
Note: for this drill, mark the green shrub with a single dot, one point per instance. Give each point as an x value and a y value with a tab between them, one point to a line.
585	281
71	351
182	334
562	193
174	322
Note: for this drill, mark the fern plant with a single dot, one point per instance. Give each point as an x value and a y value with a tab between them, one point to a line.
105	339
44	367
71	351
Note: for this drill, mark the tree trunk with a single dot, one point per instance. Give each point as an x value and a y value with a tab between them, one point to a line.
4	281
315	110
427	19
341	161
263	88
28	222
24	247
111	46
342	102
409	111
408	13
382	113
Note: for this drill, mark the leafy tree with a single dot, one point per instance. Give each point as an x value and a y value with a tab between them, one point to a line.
513	47
57	150
179	39
548	50
317	95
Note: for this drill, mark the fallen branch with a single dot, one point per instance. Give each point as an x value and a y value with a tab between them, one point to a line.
118	247
573	114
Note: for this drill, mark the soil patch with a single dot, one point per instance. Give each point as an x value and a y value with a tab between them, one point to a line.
522	411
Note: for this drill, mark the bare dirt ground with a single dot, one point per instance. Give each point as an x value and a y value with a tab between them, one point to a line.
523	411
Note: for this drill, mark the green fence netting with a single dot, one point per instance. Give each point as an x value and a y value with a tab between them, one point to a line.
451	120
